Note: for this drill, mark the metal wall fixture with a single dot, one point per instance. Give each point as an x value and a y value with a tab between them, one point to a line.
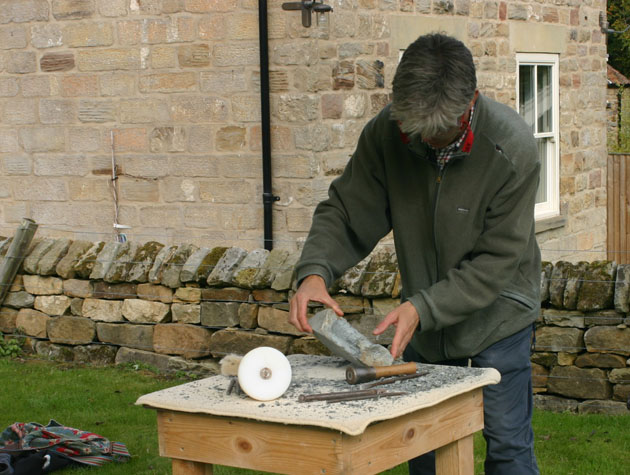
308	7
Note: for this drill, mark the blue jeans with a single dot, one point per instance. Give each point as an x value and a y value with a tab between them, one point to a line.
507	408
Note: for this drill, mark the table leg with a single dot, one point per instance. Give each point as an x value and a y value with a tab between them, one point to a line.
187	467
456	458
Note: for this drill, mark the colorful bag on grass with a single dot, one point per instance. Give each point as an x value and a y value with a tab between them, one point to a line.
80	446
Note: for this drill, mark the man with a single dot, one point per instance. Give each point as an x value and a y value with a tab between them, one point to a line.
454	175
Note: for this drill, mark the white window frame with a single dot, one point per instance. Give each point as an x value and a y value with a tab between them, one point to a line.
551	207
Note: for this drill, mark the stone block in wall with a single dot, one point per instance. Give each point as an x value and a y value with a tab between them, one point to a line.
126	334
32	322
36	285
239	342
566	359
103	290
84	264
544	358
562	318
138	269
270	268
579	383
54	352
575	278
102	310
397	289
555	403
381	307
286	273
200	263
31	261
545	279
188	294
608	340
248	315
600	360
620	376
173	267
154	293
621	392
366	323
157	269
105	259
65	266
622	288
352	279
18	299
119	269
71	330
143	311
223	272
602	407
7	319
558	283
568	340
190	268
227	294
219	314
598	289
52	304
188	341
47	264
200	368
131	355
308	345
269	296
95	355
540	376
603	317
76	307
380	274
78	288
18	283
275	320
246	272
186	313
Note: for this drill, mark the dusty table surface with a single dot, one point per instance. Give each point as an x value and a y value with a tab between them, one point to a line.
320	374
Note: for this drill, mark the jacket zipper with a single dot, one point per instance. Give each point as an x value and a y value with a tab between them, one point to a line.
438	181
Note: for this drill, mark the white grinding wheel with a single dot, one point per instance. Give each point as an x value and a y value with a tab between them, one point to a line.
264	373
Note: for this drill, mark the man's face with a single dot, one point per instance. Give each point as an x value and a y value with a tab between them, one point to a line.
445	138
450	135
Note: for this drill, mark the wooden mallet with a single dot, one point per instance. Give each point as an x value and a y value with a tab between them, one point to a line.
357	375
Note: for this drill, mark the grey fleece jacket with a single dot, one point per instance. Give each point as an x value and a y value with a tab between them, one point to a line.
464	237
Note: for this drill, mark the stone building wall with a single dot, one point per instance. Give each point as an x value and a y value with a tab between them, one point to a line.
183	308
169	90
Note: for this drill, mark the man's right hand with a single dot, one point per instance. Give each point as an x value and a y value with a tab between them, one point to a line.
312	289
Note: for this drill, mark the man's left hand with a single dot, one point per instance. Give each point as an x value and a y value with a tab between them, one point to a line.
405	318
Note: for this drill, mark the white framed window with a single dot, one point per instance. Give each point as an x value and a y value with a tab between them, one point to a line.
538	102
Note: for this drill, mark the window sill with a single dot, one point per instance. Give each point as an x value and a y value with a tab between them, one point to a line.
548	224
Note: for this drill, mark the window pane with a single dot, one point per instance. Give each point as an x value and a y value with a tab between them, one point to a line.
541	194
544	99
526	95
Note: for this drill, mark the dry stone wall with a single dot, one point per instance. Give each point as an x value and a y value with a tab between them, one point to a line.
185	307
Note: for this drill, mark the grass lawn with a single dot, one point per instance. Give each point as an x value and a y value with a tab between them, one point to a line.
102	400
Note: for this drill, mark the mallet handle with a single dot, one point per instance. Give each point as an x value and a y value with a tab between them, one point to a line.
395	370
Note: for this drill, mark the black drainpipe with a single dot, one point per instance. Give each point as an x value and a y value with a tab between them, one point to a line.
268	197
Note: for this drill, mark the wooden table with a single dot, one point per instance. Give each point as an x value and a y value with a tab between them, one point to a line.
195	439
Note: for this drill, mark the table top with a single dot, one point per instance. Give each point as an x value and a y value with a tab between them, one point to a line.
320	374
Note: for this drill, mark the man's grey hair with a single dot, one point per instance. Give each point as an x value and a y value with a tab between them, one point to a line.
433	85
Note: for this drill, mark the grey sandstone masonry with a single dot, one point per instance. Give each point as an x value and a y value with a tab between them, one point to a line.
581	361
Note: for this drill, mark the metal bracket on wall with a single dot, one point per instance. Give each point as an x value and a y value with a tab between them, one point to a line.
307	7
